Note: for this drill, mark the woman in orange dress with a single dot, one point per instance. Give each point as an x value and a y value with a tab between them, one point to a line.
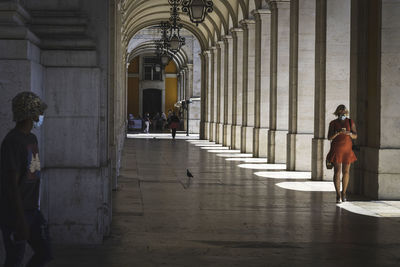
341	132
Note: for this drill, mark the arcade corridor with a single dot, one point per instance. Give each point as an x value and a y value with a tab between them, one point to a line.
256	82
226	216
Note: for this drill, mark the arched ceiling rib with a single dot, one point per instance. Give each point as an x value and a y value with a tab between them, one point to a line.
143	13
145	16
150	47
154	21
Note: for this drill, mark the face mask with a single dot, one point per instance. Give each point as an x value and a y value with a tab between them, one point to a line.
342	117
39	123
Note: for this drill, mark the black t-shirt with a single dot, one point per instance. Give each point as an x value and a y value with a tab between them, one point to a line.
19	153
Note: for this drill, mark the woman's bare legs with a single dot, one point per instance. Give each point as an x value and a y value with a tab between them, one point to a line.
336	179
345	180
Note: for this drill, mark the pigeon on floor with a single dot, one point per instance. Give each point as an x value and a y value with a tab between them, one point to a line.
189	174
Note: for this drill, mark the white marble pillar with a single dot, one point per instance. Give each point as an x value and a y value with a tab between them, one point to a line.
279	110
185	92
237	87
219	133
301	85
375	98
189	81
228	84
332	75
248	84
262	81
206	97
186	82
213	92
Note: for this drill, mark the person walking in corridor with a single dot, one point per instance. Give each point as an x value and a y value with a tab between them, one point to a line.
174	125
147	122
21	220
341	155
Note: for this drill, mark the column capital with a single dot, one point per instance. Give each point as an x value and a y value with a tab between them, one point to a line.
227	39
276	4
207	52
260	14
236	32
232	30
247	23
220	44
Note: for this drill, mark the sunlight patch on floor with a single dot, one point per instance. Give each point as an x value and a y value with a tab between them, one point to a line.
249	160
239	155
285	175
214	148
208	144
263	166
198	141
308	186
181	136
223	151
373	208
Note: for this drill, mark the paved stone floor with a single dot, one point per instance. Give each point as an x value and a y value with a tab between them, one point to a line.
226	216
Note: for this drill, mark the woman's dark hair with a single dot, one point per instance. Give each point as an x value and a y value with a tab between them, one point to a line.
339	109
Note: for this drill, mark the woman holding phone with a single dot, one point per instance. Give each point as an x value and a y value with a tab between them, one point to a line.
341	155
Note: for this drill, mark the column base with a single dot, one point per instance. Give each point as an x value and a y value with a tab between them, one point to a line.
87	185
236	139
211	132
320	148
277	149
206	127
260	142
247	139
227	135
220	133
299	152
376	173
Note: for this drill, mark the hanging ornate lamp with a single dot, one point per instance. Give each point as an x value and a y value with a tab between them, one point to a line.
197	9
175	40
163	44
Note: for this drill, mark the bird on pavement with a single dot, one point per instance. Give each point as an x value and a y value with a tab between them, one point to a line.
189	174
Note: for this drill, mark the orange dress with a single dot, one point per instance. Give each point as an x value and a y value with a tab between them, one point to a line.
341	147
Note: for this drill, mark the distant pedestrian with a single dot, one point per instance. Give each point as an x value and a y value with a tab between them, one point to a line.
174	124
21	220
164	120
341	155
147	122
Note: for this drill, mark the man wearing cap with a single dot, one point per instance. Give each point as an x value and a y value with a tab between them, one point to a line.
21	221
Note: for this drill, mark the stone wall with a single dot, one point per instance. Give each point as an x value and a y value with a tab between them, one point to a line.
68	66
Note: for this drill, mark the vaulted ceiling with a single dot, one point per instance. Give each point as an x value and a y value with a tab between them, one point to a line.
227	14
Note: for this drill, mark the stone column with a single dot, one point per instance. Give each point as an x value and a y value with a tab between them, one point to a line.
375	98
205	94
186	82
301	85
20	68
262	81
220	92
237	87
189	81
212	82
388	167
332	75
279	109
228	77
184	94
248	85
